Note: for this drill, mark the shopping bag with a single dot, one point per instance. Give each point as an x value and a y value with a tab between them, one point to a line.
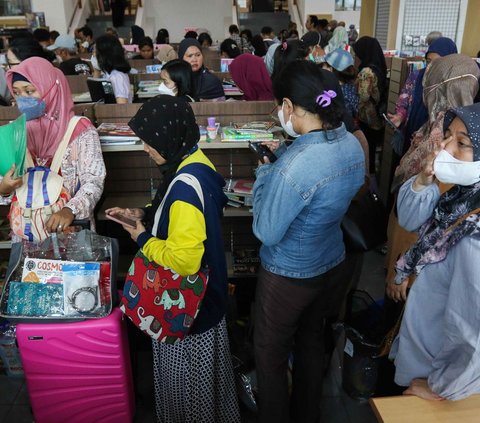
160	302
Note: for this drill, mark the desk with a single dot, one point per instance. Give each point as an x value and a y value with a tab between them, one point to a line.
411	409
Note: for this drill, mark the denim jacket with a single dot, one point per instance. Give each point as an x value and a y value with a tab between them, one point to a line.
299	202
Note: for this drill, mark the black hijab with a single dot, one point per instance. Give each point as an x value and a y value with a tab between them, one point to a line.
137	34
206	86
168	125
370	53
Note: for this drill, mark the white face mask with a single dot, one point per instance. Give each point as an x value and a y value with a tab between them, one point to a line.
94	62
449	170
163	89
288	127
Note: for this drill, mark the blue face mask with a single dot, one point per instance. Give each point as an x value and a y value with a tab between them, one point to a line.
32	107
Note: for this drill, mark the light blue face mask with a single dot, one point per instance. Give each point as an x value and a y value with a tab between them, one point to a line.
32	107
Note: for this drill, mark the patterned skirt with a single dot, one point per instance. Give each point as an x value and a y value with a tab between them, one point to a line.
194	381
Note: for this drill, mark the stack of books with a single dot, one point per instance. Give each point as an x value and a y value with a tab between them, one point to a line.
116	133
239	192
231	134
147	89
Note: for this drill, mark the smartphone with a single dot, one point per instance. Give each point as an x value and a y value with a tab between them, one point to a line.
389	122
123	220
261	151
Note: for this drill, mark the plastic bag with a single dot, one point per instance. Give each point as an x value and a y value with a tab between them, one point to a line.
9	354
364	330
13	144
39	287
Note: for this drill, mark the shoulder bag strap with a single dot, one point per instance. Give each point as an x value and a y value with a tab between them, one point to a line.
189	180
461	219
58	157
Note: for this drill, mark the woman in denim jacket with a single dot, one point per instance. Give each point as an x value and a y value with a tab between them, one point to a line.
299	202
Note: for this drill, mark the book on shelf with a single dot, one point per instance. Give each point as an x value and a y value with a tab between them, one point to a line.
116	133
149	83
243	186
229	133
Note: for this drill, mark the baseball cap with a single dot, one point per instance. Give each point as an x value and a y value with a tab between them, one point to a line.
311	38
63	41
339	59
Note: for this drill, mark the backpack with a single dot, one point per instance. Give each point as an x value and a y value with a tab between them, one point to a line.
41	194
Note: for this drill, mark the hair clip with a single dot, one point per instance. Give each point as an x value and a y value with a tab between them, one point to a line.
325	99
284	45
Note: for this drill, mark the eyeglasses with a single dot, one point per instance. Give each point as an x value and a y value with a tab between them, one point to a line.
10	65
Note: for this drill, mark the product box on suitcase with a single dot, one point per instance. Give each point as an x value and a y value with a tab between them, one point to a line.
67	277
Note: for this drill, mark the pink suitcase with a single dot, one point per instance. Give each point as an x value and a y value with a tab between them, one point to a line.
78	372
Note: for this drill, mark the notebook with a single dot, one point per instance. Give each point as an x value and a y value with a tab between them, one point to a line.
101	89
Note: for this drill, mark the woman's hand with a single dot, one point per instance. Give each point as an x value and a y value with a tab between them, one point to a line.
60	220
420	388
135	213
427	175
272	145
9	182
397	292
135	232
395	118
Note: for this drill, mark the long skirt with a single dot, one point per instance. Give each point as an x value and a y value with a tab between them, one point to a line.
194	379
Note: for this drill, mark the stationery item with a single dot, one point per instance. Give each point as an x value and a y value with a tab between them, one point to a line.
13	145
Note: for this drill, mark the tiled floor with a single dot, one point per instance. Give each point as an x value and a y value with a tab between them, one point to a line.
337	406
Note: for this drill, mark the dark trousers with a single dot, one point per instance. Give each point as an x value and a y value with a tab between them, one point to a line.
374	138
290	316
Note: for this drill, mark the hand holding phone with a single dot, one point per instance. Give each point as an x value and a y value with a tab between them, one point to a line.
261	151
389	122
123	220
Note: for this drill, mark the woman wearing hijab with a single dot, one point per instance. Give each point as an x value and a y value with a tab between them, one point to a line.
193	378
339	40
137	34
449	82
250	75
410	107
371	85
436	352
206	86
42	93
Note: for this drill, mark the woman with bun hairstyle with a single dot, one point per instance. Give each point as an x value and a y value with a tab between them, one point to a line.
298	205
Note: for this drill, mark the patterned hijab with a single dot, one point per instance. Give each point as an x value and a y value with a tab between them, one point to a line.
168	125
45	133
449	82
437	235
339	39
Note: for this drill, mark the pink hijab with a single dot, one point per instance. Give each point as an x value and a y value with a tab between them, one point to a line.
250	74
45	133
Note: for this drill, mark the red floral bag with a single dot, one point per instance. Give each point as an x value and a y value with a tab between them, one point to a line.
159	301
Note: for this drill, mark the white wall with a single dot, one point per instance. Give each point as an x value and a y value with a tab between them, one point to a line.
175	15
349	17
57	13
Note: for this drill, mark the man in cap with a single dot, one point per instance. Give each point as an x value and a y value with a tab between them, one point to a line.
67	54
